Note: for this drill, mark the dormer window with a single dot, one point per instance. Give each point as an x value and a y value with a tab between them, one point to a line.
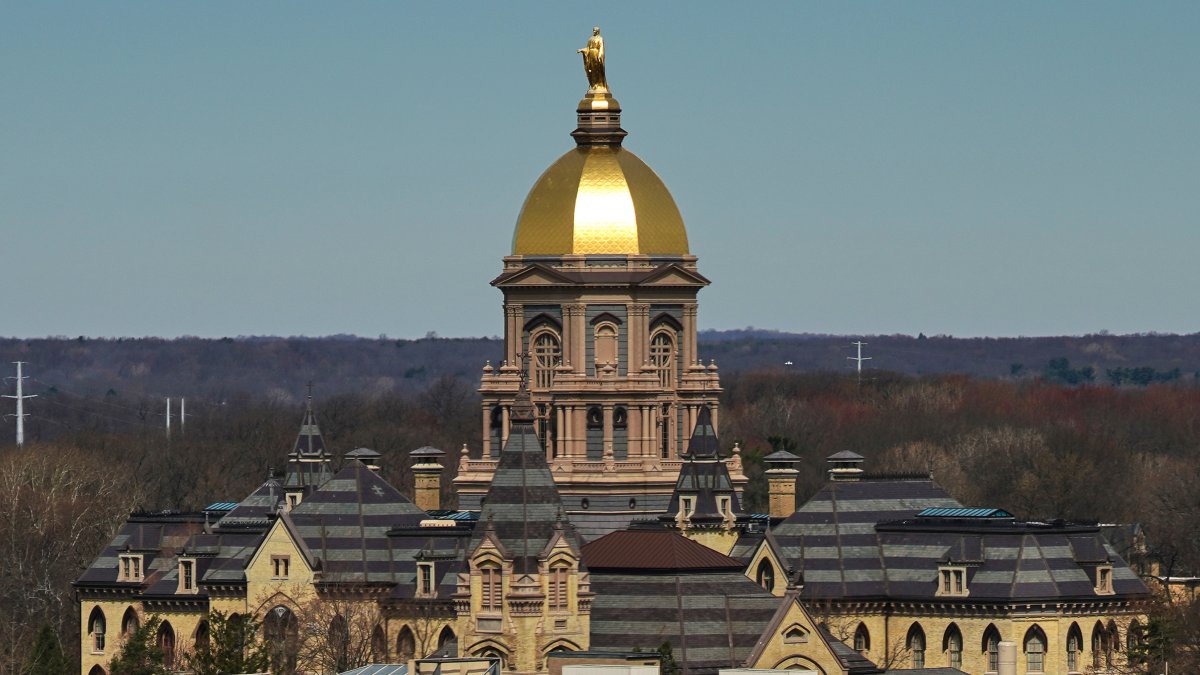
1104	579
725	506
280	566
687	506
187	575
425	579
130	568
952	581
293	500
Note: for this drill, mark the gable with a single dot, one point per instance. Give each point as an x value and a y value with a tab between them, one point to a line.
794	640
533	275
674	275
280	542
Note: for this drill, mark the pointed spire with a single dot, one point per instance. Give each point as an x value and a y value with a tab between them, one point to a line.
704	443
309	442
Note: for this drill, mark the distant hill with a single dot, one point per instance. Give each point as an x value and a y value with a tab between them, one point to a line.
279	368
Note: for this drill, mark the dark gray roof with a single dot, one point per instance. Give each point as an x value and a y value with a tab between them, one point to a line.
854	662
154	535
257	508
712	619
522	507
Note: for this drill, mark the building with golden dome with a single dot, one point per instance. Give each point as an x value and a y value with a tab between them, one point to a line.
600	318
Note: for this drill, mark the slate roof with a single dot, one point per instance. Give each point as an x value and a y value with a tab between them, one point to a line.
522	507
864	539
257	508
713	619
345	524
854	662
653	550
155	535
832	539
308	463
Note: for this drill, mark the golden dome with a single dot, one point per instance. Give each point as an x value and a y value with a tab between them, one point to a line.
597	200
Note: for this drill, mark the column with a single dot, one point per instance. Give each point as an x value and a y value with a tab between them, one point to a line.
513	335
689	335
573	315
560	424
608	430
487	431
504	428
637	336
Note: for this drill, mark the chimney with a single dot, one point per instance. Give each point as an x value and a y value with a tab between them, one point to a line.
845	466
1008	658
781	483
366	456
427	475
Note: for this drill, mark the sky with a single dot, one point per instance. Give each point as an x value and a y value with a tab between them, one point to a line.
301	168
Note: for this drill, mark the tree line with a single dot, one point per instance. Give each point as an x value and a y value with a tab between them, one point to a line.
1037	448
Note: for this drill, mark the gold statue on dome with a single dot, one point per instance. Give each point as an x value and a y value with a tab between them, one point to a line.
593	61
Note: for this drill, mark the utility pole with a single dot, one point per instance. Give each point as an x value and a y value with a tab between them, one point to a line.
168	417
182	416
21	414
859	359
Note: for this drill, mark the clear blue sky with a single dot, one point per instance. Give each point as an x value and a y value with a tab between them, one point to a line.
1015	168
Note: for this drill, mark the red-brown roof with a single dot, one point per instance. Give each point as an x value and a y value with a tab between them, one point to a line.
653	550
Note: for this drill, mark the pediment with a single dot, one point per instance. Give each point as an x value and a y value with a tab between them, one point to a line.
533	275
674	275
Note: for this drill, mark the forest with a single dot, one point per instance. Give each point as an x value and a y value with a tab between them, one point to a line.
1035	446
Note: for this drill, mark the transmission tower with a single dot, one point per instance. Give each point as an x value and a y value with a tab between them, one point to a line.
858	360
21	414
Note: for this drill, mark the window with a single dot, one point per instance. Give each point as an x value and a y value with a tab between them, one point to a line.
130	568
954	646
724	505
547	353
425	579
97	627
664	426
558	586
687	506
406	644
662	357
916	646
606	344
490	597
991	647
1035	650
293	500
187	576
952	581
862	639
280	566
795	635
166	642
1073	644
129	622
1104	579
765	576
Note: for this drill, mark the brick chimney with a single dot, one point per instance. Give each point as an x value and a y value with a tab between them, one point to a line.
781	483
427	478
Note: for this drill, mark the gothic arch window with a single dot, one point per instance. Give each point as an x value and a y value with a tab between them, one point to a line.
406	644
546	356
166	642
862	639
129	622
952	644
445	637
605	345
378	644
1035	650
991	648
1112	644
97	627
1133	636
202	632
916	645
339	642
492	653
281	632
1074	646
96	670
765	576
662	357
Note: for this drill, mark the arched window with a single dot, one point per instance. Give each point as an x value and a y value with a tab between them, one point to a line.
281	632
916	645
129	622
765	576
492	653
862	639
952	644
445	637
1074	645
489	600
97	627
378	644
1099	644
339	642
1133	636
1113	644
662	357
202	635
96	670
559	574
406	644
547	355
991	647
1035	650
606	344
166	642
